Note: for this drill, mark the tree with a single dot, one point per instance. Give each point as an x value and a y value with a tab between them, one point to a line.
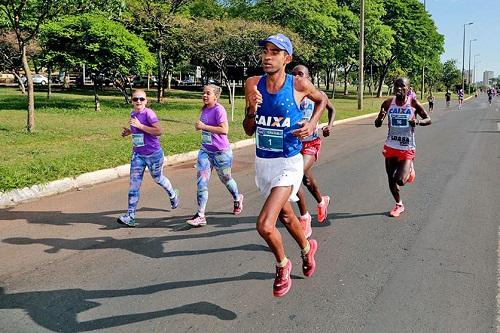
10	58
312	20
416	37
451	75
104	46
155	21
233	43
25	17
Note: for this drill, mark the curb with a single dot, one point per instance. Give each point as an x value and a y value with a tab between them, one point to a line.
14	197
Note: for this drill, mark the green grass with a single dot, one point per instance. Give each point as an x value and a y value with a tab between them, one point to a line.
70	138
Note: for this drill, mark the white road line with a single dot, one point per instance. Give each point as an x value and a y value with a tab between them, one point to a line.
498	280
498	126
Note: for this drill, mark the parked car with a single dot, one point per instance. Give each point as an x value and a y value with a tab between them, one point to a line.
188	82
37	79
142	81
175	82
102	79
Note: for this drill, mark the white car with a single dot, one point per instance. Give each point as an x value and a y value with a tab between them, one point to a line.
37	79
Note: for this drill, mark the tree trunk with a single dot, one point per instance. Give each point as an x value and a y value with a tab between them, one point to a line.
49	83
228	85
169	80
122	86
19	82
159	96
30	126
381	80
96	98
334	82
327	78
346	74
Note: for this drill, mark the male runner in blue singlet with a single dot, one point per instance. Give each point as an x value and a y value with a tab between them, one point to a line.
273	115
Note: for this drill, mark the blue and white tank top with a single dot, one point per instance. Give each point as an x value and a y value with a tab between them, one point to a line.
401	134
307	108
276	118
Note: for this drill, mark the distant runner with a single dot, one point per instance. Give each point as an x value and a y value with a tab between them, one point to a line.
447	97
460	98
430	99
310	151
399	148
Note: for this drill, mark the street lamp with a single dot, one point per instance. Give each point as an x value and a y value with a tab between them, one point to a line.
463	55
475	55
423	73
468	73
361	82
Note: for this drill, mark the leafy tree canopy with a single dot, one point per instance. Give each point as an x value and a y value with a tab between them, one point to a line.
104	46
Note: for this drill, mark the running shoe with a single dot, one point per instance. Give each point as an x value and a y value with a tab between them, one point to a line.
127	220
323	208
238	205
305	223
308	262
174	202
398	209
412	175
283	280
197	221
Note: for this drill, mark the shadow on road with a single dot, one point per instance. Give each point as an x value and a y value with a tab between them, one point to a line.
57	310
108	222
332	217
152	247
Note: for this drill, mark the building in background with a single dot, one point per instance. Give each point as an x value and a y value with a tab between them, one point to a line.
468	74
487	76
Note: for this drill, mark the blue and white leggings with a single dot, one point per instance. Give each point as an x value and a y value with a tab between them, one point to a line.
138	164
222	161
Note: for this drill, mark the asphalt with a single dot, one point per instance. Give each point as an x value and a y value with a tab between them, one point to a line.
67	266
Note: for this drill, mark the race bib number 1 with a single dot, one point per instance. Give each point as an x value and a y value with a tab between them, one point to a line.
269	139
138	139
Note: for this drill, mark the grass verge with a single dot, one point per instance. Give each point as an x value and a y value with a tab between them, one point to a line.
70	138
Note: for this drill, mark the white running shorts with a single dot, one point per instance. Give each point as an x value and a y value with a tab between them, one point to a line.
281	171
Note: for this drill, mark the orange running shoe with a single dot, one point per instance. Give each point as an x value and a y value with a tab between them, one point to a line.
308	262
283	280
398	209
323	208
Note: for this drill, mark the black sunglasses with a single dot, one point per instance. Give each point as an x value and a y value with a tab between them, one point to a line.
136	99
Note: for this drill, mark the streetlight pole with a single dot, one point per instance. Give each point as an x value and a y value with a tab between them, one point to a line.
475	55
468	73
463	56
423	71
361	53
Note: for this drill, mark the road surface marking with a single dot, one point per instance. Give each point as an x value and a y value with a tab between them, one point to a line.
498	280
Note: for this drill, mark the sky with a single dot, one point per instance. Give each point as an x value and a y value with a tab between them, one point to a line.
450	17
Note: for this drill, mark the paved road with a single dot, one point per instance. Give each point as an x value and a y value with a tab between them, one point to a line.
68	267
